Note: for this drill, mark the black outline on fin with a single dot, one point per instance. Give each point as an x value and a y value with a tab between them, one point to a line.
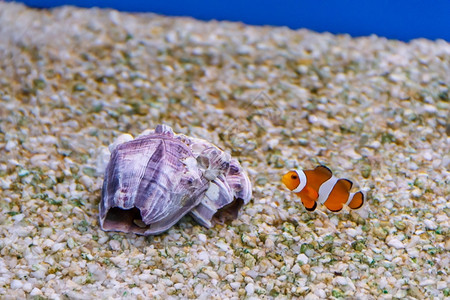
351	183
331	172
335	210
312	208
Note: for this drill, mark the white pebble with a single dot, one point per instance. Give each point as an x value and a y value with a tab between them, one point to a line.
102	161
58	246
302	69
341	280
136	292
10	145
352	232
212	274
396	77
110	72
144	277
375	144
103	239
382	282
427	155
311	296
178	286
27	287
203	256
35	292
119	261
235	285
16	284
400	294
115	245
312	119
397	244
202	238
430	224
416	193
430	108
39	274
320	293
427	282
46	231
70	243
250	289
65	264
413	241
302	258
223	246
50	140
269	244
38	160
171	37
18	217
198	290
413	252
296	269
441	285
412	166
340	78
86	181
272	143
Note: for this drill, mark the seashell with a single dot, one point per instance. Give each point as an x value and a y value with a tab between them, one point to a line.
152	181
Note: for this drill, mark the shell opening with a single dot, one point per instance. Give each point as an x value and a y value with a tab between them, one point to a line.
228	212
125	220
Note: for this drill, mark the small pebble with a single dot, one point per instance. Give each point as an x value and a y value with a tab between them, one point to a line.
16	284
202	238
302	258
250	289
341	280
115	245
203	256
35	292
235	285
430	224
10	145
397	244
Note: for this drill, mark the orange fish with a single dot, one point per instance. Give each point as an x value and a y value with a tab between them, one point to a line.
319	185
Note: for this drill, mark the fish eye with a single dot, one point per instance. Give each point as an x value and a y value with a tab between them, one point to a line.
294	177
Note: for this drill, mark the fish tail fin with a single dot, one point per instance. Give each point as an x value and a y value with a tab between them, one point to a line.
356	200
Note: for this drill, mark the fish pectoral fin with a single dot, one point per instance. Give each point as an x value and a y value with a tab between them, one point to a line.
311	193
309	204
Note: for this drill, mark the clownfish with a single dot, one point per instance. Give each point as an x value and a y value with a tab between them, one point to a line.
319	185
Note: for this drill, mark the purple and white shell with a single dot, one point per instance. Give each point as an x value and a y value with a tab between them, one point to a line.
152	181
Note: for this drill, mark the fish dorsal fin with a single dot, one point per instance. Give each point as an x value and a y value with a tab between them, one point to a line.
313	178
317	177
324	170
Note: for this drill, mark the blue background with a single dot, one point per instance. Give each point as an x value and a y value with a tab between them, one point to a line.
394	19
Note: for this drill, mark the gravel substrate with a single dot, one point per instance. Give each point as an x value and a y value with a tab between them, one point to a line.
373	110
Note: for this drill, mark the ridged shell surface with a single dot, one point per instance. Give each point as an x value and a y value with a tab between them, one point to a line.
152	181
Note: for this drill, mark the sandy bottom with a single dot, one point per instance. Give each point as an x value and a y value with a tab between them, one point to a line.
373	110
